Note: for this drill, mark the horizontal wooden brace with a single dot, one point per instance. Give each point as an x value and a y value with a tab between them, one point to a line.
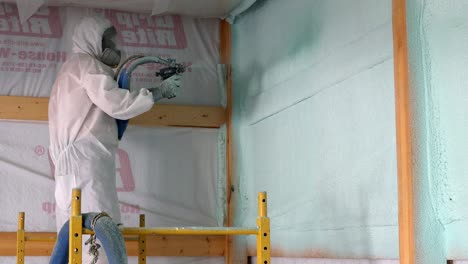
36	108
172	245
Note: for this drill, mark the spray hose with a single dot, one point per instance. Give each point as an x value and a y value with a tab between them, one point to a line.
105	230
124	72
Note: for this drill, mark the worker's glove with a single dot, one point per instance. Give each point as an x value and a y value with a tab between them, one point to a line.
167	89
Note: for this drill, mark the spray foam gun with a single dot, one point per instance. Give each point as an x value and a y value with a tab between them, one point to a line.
124	72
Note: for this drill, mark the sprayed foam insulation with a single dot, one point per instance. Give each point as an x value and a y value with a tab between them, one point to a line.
314	126
442	32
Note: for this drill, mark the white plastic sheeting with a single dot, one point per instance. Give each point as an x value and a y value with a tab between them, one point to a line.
30	55
169	174
200	8
204	8
27	8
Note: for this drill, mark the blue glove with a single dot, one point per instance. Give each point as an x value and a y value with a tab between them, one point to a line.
167	89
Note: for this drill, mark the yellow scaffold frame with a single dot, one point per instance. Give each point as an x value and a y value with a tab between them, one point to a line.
262	231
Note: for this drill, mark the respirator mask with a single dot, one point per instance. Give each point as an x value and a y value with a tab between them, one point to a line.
110	54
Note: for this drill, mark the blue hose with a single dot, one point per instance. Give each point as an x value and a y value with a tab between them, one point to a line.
106	231
123	77
124	83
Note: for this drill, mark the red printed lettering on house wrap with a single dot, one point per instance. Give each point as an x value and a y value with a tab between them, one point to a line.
45	23
140	30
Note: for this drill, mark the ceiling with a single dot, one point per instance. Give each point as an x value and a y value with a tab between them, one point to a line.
199	8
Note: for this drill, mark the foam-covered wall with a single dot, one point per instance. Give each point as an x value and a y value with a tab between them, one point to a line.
441	28
429	172
314	121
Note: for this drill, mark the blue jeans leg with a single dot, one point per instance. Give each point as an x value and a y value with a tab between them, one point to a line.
106	231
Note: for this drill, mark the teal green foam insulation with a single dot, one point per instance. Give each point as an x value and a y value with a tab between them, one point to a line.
314	126
442	29
429	166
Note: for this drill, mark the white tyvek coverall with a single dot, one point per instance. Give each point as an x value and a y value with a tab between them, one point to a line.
83	132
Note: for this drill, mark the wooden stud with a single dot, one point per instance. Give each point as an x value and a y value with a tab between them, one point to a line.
403	134
225	53
23	108
36	108
175	245
182	116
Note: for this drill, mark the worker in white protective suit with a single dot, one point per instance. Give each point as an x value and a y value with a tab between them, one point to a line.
83	106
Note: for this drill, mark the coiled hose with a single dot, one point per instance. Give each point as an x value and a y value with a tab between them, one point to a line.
106	232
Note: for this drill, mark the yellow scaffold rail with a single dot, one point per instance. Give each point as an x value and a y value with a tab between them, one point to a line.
76	229
261	231
194	231
142	243
20	239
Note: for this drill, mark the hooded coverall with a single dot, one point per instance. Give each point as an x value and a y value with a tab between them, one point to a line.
83	106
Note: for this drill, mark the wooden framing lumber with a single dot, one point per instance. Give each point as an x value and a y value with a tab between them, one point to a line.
182	116
23	108
156	245
35	109
403	134
225	53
